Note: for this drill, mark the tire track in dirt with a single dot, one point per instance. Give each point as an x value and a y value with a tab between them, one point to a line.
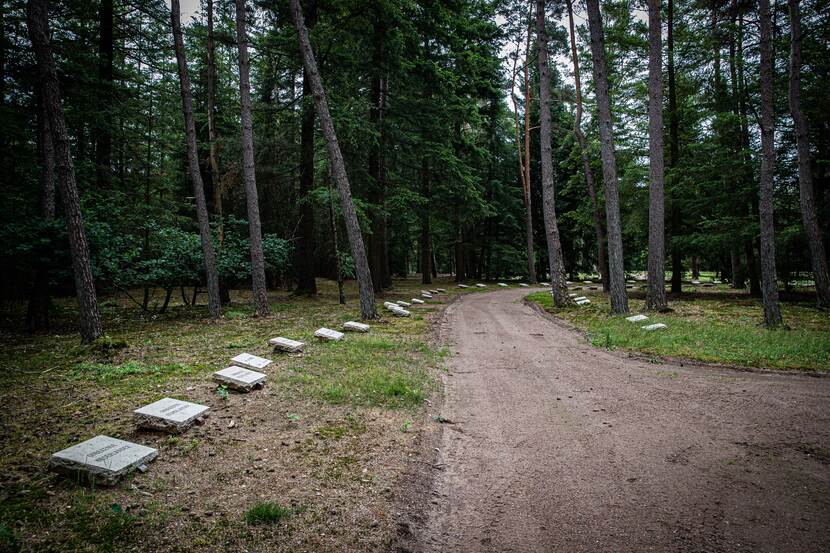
557	446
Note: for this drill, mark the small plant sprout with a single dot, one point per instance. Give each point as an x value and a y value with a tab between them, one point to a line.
222	391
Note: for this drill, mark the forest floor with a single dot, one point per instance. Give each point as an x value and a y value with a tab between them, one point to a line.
309	463
712	325
550	444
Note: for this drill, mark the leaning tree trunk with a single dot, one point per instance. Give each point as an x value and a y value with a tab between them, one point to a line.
599	227
616	268
818	256
769	283
249	169
558	284
338	168
214	305
38	24
656	294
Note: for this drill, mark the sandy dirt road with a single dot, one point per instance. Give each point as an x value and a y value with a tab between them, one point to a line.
559	447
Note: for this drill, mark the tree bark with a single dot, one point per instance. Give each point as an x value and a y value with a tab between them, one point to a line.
338	168
378	261
616	268
426	236
769	281
818	256
531	255
306	242
558	282
599	224
37	311
38	24
249	168
674	154
341	295
214	304
656	293
103	139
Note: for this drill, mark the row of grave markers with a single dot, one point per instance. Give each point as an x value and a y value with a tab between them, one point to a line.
104	460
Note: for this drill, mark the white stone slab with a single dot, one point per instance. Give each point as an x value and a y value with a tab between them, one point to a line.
657	326
401	312
523	285
442	290
328	335
286	344
695	282
425	292
716	282
636	318
501	284
463	286
354	326
240	378
102	459
571	295
170	415
580	298
587	282
416	301
390	305
436	292
583	302
404	303
427	296
544	283
480	285
248	361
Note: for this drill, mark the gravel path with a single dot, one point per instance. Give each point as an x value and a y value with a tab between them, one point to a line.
556	446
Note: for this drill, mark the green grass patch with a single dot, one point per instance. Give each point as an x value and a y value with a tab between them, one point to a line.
267	513
714	330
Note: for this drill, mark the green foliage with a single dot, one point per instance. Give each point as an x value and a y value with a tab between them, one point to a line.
267	513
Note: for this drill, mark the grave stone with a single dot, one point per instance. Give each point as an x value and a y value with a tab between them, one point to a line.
442	290
416	301
657	326
328	335
695	282
404	303
436	292
353	326
463	286
583	302
401	312
169	415
636	318
545	284
286	344
523	285
571	295
502	284
102	459
240	378
248	361
580	298
480	285
587	282
390	305
427	296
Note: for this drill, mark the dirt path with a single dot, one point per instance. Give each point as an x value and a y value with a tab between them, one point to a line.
559	447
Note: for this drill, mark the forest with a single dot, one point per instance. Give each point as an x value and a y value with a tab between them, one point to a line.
715	161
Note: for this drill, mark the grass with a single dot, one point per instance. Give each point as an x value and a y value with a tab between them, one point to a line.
57	392
267	513
715	328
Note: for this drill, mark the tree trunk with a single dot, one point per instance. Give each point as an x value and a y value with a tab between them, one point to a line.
616	268
249	169
214	305
426	237
306	243
599	224
37	312
103	138
38	24
656	293
531	255
336	244
338	168
769	281
674	155
818	256
377	239
558	283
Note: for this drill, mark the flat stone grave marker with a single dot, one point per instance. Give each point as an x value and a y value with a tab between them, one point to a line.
636	318
240	378
580	298
523	285
425	292
404	303
583	302
436	292
354	326
657	326
248	361
427	296
571	295
480	285
416	301
501	284
442	290
102	459
587	282
463	286
401	312
390	305
328	335
716	282
170	415
286	344
545	284
695	282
